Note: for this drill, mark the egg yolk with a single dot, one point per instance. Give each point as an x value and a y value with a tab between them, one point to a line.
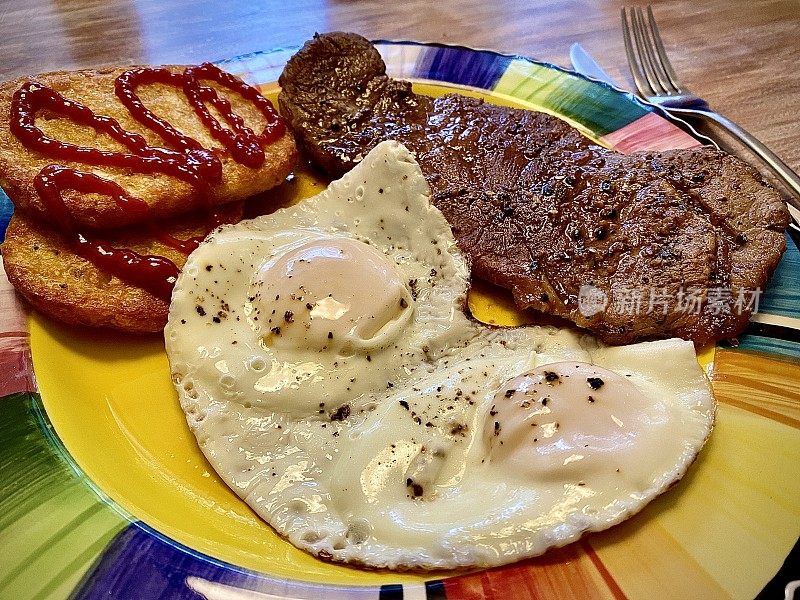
569	417
332	294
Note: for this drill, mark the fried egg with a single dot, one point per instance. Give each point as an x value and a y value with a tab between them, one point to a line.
328	370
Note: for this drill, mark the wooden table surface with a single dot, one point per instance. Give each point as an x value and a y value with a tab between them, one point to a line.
743	57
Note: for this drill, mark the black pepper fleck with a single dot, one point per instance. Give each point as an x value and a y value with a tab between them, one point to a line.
594	382
458	429
416	489
341	413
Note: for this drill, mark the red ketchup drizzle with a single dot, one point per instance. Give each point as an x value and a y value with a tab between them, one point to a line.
191	162
125	88
196	166
155	274
54	178
242	142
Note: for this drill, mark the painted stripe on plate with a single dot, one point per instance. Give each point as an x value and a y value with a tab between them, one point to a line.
594	105
167	570
6	209
434	590
650	132
763	384
414	591
566	572
392	591
16	367
769	339
401	59
612	584
779	320
52	526
782	296
766	339
465	67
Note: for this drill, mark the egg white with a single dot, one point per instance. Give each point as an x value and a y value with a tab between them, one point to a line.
432	464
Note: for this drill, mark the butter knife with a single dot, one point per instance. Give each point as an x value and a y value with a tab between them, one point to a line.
584	64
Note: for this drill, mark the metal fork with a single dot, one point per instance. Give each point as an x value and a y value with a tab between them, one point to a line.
657	83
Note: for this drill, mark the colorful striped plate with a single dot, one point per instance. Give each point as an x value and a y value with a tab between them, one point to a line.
104	494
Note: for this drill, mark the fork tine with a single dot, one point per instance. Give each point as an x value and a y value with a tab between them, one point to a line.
645	52
639	78
662	54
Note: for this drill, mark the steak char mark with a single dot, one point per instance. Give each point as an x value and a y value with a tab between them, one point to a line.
646	245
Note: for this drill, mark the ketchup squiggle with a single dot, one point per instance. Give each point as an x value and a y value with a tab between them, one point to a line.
191	162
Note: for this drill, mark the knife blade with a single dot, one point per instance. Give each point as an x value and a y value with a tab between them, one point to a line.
584	64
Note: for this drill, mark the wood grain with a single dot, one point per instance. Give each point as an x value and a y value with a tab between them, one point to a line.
742	56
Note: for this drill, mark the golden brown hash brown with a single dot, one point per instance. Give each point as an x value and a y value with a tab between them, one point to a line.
164	194
56	281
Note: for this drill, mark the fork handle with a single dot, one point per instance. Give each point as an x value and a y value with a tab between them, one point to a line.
776	165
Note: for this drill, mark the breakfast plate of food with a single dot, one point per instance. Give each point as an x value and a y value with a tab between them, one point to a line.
384	320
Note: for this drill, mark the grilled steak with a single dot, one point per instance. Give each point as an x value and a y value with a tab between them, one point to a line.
646	245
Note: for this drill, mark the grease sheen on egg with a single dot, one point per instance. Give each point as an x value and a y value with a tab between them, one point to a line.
331	377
